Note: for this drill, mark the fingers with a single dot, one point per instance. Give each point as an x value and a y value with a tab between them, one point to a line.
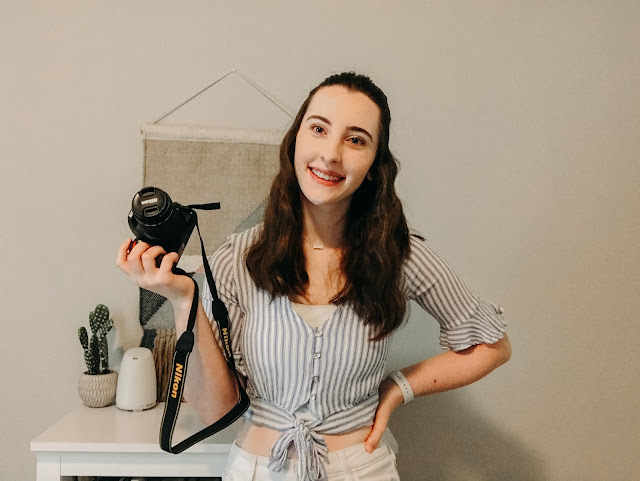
121	256
139	263
379	425
388	403
134	261
169	260
148	257
137	259
129	255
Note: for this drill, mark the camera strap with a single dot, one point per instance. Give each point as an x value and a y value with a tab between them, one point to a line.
183	349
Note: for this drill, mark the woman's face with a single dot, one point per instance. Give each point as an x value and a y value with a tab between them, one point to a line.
335	145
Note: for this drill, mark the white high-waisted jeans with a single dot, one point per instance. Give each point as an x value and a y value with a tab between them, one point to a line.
349	464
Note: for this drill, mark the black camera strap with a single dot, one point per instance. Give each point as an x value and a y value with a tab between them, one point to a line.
184	346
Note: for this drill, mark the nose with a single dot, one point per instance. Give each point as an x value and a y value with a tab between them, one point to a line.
332	150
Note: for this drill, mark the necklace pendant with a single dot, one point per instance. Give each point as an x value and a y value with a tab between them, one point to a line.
315	246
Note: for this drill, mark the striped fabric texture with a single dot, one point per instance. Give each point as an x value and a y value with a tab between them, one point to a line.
333	369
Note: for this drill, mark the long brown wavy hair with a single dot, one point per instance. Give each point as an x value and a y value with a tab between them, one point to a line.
376	234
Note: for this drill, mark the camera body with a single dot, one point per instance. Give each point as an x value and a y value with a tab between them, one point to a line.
155	219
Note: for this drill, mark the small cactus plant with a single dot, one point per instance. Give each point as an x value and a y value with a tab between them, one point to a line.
96	350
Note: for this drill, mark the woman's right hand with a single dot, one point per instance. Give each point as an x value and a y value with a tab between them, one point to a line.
139	264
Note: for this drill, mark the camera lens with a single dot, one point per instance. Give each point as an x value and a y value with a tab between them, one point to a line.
155	219
151	206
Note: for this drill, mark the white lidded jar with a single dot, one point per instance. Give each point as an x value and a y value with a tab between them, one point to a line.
136	389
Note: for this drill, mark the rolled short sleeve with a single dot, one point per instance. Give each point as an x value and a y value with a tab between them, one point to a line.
465	318
222	264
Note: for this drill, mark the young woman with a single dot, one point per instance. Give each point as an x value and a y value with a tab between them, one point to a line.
314	294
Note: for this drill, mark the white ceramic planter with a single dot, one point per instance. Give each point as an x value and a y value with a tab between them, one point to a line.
98	390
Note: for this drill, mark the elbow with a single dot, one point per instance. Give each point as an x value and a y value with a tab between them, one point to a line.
495	354
503	350
492	355
208	418
209	414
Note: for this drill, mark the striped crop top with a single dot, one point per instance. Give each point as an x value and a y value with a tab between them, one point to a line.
332	370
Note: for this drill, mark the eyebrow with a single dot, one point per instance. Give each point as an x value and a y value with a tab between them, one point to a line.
353	127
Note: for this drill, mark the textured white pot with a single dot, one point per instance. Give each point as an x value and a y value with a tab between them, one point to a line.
98	390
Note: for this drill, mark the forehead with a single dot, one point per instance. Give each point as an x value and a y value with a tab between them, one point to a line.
345	108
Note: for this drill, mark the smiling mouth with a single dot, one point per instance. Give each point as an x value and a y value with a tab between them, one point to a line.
323	176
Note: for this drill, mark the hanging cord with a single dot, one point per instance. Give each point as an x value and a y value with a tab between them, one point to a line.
263	92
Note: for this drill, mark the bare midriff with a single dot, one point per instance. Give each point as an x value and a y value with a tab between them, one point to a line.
259	440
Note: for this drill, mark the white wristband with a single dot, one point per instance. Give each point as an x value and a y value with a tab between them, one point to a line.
404	385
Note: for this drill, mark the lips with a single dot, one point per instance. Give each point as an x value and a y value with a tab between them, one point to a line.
327	176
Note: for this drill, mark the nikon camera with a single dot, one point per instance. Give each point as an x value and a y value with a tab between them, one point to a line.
157	220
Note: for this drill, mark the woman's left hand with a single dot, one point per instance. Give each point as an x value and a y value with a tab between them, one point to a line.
390	398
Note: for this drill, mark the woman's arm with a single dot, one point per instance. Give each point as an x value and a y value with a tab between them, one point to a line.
451	370
443	372
210	386
469	325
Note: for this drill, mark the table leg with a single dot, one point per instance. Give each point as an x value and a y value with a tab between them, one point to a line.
48	467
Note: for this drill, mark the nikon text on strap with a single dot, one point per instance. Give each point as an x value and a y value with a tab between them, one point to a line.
184	346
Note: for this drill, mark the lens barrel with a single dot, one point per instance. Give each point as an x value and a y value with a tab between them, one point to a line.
157	220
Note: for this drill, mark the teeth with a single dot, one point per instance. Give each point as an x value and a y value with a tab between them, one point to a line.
325	176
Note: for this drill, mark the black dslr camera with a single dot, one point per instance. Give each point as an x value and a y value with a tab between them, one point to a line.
157	220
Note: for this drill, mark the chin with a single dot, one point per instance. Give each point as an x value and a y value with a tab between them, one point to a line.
323	201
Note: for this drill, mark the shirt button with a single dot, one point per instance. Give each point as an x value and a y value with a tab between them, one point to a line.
318	333
312	397
316	355
315	378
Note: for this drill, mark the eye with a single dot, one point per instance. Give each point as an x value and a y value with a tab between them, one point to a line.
357	140
318	129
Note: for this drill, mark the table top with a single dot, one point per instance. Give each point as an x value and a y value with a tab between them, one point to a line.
110	429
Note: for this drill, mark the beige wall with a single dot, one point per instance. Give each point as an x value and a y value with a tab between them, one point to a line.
518	128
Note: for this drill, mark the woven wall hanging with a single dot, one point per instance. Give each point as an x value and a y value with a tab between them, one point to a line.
196	165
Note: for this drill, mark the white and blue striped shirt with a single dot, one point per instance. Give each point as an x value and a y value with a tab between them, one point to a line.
332	370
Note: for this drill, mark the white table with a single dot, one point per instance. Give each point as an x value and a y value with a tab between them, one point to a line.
111	442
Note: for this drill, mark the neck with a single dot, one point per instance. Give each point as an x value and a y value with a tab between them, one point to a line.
324	225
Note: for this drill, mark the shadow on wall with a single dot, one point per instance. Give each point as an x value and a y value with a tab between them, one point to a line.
442	439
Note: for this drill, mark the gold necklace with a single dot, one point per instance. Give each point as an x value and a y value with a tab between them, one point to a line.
315	246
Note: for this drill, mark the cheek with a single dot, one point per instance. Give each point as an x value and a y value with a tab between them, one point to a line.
297	160
303	155
366	166
303	146
299	166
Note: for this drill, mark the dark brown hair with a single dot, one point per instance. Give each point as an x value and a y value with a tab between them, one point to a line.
376	233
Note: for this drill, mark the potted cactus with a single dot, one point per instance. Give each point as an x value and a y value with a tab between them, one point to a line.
97	385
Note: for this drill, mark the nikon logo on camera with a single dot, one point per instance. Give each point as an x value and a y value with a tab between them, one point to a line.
150	201
177	378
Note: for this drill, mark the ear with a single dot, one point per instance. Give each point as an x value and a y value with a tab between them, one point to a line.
369	176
